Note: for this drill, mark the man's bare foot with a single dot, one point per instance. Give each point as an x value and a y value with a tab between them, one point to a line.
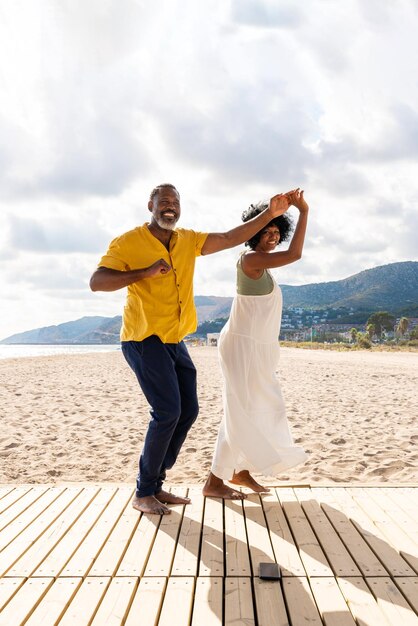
170	498
215	488
150	504
245	479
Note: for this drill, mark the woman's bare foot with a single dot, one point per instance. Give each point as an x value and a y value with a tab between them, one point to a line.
215	488
150	504
170	498
245	479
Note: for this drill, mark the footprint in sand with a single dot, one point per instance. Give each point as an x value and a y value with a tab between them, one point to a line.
11	445
54	473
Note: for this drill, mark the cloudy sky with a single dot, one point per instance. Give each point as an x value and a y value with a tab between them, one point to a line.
230	100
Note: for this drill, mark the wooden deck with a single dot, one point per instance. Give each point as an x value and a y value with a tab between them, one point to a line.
80	555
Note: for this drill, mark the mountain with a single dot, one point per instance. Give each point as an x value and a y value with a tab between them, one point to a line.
212	307
390	287
387	287
85	330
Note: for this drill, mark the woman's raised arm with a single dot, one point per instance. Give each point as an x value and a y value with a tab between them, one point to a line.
256	261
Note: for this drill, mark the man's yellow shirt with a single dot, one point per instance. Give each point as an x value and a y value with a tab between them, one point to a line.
162	305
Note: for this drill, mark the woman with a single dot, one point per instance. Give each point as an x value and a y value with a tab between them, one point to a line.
254	434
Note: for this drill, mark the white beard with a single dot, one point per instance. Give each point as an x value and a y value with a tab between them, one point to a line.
166	225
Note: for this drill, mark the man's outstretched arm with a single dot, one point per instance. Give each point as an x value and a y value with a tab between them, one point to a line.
215	242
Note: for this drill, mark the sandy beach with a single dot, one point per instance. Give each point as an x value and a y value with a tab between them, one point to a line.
77	418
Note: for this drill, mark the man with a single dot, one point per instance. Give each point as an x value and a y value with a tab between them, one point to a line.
156	263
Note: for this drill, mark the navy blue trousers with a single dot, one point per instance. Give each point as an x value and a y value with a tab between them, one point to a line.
167	378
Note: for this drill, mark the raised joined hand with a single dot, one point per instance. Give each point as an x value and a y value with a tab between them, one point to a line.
278	204
296	199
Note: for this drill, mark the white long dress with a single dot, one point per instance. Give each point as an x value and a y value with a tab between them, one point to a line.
254	433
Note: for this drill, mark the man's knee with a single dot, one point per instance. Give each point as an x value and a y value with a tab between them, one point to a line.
190	412
166	416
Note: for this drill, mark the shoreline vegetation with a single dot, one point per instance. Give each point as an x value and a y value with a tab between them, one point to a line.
409	346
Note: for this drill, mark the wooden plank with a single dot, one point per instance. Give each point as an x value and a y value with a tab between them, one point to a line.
362	603
406	498
207	607
212	549
178	602
34	556
237	559
12	522
409	589
392	602
34	531
407	502
336	553
85	602
364	557
259	543
113	550
269	602
186	558
394	535
311	553
4	490
162	553
55	602
115	604
136	556
8	587
284	548
87	552
147	602
401	507
64	550
24	601
12	496
331	603
391	559
397	516
239	607
35	507
300	603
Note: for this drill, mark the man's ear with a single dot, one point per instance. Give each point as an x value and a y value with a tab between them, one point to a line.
150	205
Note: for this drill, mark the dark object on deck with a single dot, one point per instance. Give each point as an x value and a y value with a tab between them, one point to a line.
269	571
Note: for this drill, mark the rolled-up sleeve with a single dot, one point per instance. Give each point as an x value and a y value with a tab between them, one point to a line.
200	240
114	257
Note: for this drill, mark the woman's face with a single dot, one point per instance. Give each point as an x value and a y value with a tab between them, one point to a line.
269	238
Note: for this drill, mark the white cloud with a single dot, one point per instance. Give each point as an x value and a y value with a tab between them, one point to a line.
58	235
266	13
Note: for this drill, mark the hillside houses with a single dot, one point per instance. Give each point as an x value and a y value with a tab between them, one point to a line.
300	324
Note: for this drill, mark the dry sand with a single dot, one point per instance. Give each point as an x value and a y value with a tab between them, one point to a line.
82	418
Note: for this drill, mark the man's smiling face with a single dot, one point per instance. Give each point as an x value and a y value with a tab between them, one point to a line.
165	208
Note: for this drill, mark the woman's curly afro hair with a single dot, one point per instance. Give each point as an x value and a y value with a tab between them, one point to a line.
283	222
